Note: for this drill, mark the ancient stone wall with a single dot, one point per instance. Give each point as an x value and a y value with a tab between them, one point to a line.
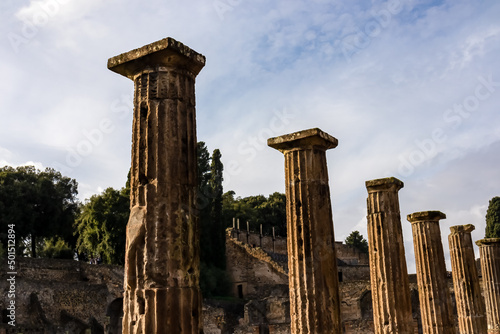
252	271
56	296
348	254
254	240
63	295
348	273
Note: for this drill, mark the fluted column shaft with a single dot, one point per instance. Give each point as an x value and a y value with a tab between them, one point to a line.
470	302
388	273
489	250
162	292
312	262
435	300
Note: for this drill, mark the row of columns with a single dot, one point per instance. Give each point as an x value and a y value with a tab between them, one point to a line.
162	293
389	280
314	293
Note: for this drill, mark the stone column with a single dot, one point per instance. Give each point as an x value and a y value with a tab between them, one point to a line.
435	300
389	276
489	250
470	302
162	292
312	262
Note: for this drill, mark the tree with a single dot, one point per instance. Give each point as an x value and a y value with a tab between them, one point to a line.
101	225
213	280
493	218
257	210
204	202
56	248
203	160
41	204
273	214
217	229
356	240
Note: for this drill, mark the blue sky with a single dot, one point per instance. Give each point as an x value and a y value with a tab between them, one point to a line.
410	89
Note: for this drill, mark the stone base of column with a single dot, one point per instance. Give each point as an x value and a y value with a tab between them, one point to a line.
170	310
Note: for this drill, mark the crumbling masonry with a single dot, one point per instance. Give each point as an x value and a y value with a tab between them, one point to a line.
312	262
490	266
162	293
435	300
470	302
389	276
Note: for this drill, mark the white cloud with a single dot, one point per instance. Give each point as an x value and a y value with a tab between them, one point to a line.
5	154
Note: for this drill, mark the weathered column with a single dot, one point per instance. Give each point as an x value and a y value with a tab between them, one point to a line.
435	300
489	250
312	263
470	302
389	276
162	293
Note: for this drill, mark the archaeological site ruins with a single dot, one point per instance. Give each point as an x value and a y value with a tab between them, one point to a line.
303	283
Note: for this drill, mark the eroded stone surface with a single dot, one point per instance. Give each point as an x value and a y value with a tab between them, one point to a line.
470	302
162	293
489	250
435	300
389	275
314	286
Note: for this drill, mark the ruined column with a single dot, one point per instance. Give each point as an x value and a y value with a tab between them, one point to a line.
162	293
312	262
489	250
388	273
434	295
470	302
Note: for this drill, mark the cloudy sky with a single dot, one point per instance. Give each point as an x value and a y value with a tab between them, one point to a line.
411	89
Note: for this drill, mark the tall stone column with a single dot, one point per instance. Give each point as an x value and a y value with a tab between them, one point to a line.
162	293
489	250
389	276
435	300
312	262
470	302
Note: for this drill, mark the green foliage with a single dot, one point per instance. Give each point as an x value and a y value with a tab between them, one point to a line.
493	218
41	204
204	203
203	167
56	248
101	226
213	279
355	239
210	170
217	230
270	212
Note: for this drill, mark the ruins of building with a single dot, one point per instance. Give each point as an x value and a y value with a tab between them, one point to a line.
311	285
248	251
64	296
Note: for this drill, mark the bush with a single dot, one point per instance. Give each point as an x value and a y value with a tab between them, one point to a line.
57	249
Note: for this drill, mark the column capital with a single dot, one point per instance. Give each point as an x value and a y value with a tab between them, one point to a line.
387	183
488	242
311	138
163	53
458	229
425	216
